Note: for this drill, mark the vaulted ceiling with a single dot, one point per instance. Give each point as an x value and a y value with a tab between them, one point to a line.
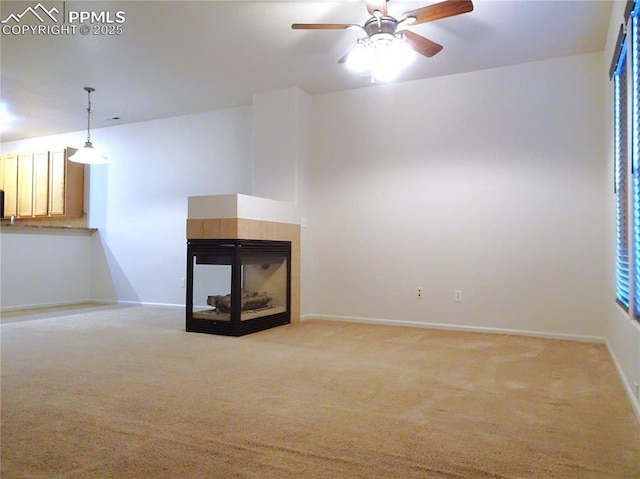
179	57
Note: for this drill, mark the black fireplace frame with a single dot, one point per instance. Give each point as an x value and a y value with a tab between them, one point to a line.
237	248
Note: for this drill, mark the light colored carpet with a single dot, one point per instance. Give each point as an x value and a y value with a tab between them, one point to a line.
126	393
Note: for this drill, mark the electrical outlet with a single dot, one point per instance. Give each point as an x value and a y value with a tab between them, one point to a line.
457	296
182	282
419	292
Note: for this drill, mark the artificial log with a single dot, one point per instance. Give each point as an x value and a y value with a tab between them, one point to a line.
249	300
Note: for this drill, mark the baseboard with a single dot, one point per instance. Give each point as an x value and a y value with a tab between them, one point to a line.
146	303
54	304
629	388
456	327
97	302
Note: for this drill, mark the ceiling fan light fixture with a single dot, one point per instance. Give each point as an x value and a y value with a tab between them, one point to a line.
385	72
88	154
403	54
383	55
360	58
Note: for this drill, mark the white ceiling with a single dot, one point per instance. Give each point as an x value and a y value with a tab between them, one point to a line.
180	57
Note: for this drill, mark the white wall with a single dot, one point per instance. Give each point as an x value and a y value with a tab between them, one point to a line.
40	268
138	201
489	182
280	126
621	330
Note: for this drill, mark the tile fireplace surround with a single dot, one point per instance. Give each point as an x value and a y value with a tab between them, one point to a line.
243	217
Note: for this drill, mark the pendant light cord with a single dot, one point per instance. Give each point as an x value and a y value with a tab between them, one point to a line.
89	116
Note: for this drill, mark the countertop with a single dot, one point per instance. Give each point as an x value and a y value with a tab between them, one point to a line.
7	227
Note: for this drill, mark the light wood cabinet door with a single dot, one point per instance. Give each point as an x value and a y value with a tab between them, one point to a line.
66	185
25	184
74	186
2	182
41	184
10	184
57	165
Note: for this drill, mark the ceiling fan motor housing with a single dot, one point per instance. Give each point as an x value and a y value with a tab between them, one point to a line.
375	26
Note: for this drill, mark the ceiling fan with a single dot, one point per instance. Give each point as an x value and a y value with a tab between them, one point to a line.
384	31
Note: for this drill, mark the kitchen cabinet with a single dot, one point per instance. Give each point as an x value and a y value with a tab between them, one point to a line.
10	184
66	185
42	185
25	184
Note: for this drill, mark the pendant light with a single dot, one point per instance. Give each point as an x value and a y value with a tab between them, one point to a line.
88	154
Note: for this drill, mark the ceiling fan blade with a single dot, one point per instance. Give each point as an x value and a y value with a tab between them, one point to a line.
422	45
322	26
379	5
448	8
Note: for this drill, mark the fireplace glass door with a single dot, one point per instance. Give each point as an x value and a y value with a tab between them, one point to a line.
236	287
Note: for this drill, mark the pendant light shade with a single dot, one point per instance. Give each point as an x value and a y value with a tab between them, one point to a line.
88	154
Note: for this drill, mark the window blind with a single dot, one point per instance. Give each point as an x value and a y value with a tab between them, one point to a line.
635	48
621	178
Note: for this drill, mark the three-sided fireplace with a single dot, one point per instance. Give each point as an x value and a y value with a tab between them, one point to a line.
237	286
